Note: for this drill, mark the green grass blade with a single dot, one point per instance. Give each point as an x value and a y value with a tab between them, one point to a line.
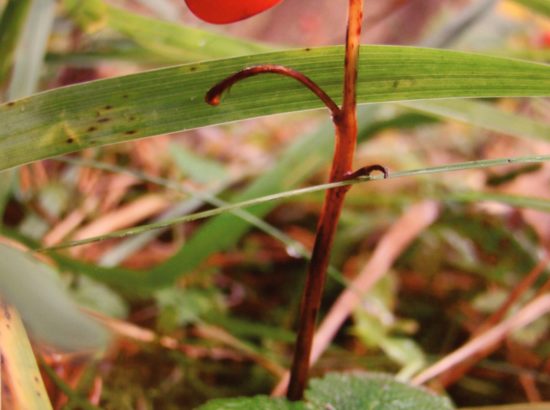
11	25
171	99
177	42
485	116
171	41
540	204
540	6
32	49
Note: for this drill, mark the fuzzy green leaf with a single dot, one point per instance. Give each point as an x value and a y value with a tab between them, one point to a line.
352	391
368	391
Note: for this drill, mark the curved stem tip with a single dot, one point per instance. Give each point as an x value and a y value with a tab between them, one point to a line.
213	95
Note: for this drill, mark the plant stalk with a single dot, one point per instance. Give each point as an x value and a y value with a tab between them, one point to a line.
345	123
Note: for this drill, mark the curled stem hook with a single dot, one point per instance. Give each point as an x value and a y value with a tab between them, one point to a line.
214	94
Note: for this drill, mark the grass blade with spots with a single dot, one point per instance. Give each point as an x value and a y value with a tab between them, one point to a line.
171	99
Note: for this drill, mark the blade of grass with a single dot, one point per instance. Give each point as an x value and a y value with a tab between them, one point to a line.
485	116
22	385
175	41
32	49
171	99
74	398
27	65
531	202
11	25
458	25
165	39
539	204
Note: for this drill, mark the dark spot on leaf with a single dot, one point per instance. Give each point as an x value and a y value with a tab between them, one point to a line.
193	68
11	104
92	129
395	84
131	118
70	140
108	107
125	96
131	132
307	49
104	119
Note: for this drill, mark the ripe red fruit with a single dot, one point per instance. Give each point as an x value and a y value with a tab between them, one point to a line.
228	11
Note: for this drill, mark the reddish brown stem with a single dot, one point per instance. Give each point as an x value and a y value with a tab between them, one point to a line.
214	94
346	136
345	123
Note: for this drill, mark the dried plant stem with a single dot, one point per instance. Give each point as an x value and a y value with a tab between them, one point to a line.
346	136
345	123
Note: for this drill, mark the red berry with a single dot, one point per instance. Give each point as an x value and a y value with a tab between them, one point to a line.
228	11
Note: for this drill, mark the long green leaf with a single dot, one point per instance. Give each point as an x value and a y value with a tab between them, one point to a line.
171	99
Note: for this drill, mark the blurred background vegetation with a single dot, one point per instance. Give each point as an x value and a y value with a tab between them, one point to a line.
226	327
